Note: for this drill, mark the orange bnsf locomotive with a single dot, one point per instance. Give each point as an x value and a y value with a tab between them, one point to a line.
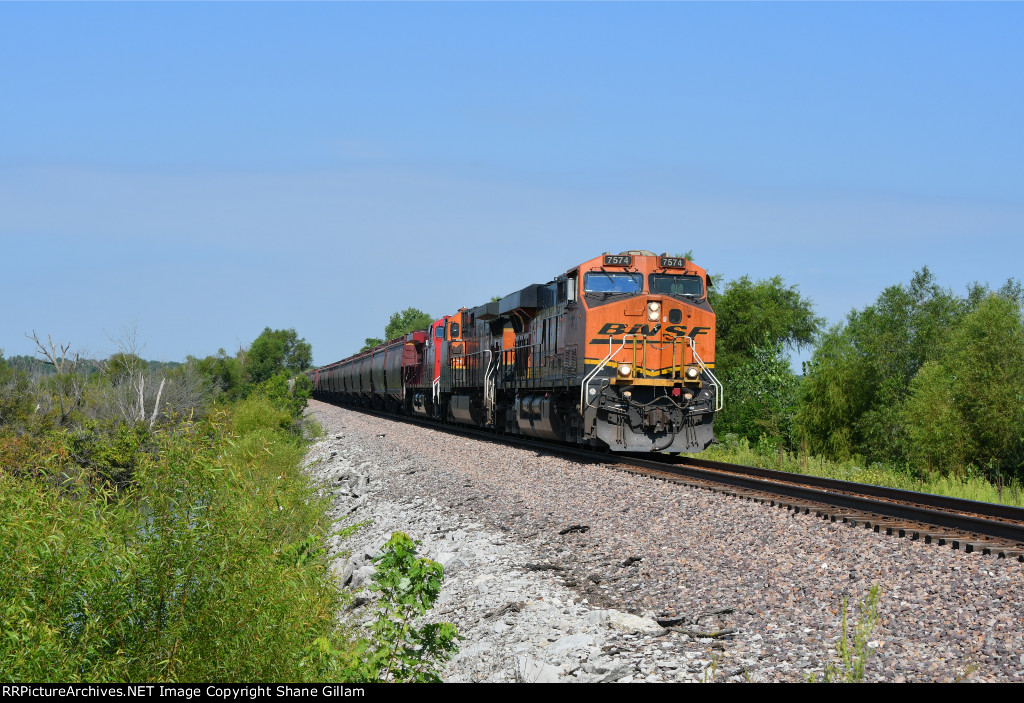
617	352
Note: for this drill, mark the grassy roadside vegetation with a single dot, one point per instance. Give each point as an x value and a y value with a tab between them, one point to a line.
182	540
193	573
768	455
919	390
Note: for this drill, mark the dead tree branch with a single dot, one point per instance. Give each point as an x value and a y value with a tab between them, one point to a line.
58	359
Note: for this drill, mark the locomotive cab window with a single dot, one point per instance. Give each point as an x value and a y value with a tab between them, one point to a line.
439	332
612	282
675	284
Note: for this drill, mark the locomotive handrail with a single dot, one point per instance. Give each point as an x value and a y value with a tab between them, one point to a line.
532	365
584	401
489	386
469	370
719	391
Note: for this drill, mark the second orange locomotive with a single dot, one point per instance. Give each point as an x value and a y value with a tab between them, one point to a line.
618	351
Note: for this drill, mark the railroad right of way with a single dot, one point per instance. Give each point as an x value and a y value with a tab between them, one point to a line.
771	580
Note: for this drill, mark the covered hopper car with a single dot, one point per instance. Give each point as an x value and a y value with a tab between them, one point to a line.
617	352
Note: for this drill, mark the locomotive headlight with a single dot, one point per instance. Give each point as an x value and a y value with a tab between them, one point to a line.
691	373
652	315
654	305
625	369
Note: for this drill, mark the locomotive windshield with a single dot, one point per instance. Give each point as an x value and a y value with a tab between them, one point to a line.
607	282
674	284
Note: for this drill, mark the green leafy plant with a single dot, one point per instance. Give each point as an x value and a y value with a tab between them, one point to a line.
287	393
187	574
399	650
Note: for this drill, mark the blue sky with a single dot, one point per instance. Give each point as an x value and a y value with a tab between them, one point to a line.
205	170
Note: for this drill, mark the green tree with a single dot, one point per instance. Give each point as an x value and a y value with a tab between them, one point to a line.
756	322
967	407
939	437
225	373
762	394
399	325
409	320
860	372
751	313
123	365
287	393
277	350
832	394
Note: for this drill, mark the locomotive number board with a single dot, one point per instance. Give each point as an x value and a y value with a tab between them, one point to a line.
618	261
673	262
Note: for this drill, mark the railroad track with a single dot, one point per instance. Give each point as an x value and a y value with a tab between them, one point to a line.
967	525
970	526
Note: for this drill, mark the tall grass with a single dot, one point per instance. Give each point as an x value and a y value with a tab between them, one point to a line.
206	569
971	485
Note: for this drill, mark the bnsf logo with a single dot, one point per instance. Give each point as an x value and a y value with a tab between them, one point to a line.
613	328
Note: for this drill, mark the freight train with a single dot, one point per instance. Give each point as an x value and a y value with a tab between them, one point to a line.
618	352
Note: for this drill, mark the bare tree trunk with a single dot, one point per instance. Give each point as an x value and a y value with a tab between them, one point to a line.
142	401
156	407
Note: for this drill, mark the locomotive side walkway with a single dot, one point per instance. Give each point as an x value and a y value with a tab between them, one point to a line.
558	571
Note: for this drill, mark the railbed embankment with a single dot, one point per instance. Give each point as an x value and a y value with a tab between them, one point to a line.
541	552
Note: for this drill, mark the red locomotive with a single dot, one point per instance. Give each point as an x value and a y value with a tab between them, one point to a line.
618	351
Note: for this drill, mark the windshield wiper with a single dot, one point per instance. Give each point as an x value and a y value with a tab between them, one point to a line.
607	294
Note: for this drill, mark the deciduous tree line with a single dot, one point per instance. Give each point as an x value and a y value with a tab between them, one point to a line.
921	378
102	413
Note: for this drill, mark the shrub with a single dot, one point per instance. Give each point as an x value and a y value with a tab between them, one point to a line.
111	451
192	575
16	403
967	407
257	413
398	650
286	392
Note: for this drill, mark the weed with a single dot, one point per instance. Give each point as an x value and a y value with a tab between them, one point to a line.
962	674
398	650
711	669
854	650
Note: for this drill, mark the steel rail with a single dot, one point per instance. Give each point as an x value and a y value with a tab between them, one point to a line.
930	500
968	516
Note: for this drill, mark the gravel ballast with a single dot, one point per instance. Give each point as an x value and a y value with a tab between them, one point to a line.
562	571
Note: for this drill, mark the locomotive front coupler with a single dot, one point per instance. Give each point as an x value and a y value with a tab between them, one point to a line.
659	413
645	397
